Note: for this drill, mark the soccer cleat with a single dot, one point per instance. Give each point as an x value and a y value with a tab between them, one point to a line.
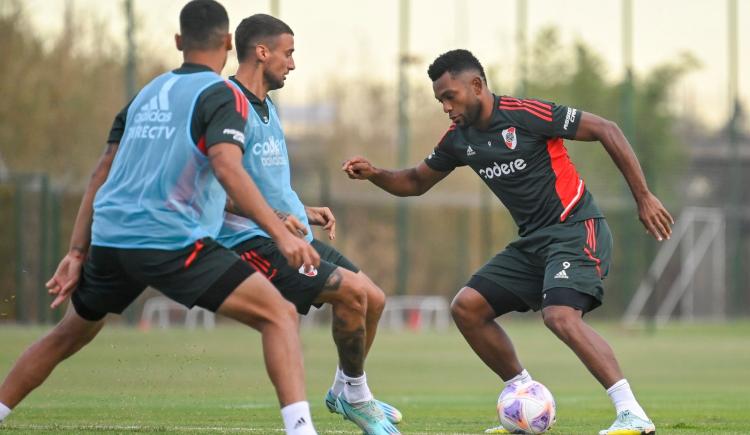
501	429
628	423
391	413
368	416
498	429
331	402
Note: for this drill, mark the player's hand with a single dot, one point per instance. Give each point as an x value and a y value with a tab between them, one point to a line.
292	224
66	277
322	216
655	217
358	168
298	252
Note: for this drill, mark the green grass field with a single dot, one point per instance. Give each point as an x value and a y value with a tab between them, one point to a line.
692	379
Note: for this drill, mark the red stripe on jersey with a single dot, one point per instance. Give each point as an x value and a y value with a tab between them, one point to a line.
245	105
240	102
237	101
450	129
542	107
202	145
527	105
568	184
527	109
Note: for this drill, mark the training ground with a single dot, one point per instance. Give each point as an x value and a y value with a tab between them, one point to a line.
691	378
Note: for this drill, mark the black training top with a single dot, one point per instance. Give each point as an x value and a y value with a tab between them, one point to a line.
522	159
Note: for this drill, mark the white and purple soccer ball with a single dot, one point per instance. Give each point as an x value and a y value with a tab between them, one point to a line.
527	408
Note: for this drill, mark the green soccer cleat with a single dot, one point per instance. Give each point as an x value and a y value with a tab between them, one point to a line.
391	413
501	429
498	429
368	416
628	423
331	402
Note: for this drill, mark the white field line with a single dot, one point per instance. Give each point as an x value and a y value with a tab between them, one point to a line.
185	429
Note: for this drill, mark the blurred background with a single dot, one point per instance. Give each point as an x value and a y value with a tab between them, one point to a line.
668	72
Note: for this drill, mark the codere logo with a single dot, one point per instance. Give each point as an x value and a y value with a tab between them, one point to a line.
497	170
270	152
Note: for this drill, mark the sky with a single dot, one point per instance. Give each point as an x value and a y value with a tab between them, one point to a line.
353	38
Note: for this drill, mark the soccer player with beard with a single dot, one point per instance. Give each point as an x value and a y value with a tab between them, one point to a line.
563	253
265	47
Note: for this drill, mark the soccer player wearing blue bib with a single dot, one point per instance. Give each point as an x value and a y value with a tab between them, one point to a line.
158	197
558	263
265	47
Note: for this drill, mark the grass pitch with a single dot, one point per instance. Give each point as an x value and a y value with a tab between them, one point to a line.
692	379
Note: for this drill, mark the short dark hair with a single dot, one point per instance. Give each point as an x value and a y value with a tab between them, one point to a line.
454	62
256	28
203	25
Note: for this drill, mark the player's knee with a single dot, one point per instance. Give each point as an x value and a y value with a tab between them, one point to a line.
69	341
281	313
289	313
375	299
561	322
355	293
463	310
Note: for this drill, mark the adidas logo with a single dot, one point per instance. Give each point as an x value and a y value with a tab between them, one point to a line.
561	275
157	108
470	152
300	422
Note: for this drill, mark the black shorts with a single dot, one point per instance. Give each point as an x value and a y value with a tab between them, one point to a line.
297	287
202	274
505	301
574	255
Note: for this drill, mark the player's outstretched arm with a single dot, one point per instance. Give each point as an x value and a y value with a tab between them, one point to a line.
226	160
651	212
68	272
405	182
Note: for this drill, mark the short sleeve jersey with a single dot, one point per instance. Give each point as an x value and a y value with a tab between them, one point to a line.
522	158
266	159
161	192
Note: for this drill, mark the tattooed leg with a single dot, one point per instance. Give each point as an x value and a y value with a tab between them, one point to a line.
347	294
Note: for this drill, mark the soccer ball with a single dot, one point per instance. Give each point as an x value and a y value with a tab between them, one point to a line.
527	408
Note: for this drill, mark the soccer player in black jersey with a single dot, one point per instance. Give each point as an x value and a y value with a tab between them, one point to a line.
563	253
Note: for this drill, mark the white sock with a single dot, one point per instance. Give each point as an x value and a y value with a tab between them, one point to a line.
338	382
297	419
4	411
356	389
624	400
520	378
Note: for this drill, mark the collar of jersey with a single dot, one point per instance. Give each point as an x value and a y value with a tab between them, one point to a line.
254	100
189	68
